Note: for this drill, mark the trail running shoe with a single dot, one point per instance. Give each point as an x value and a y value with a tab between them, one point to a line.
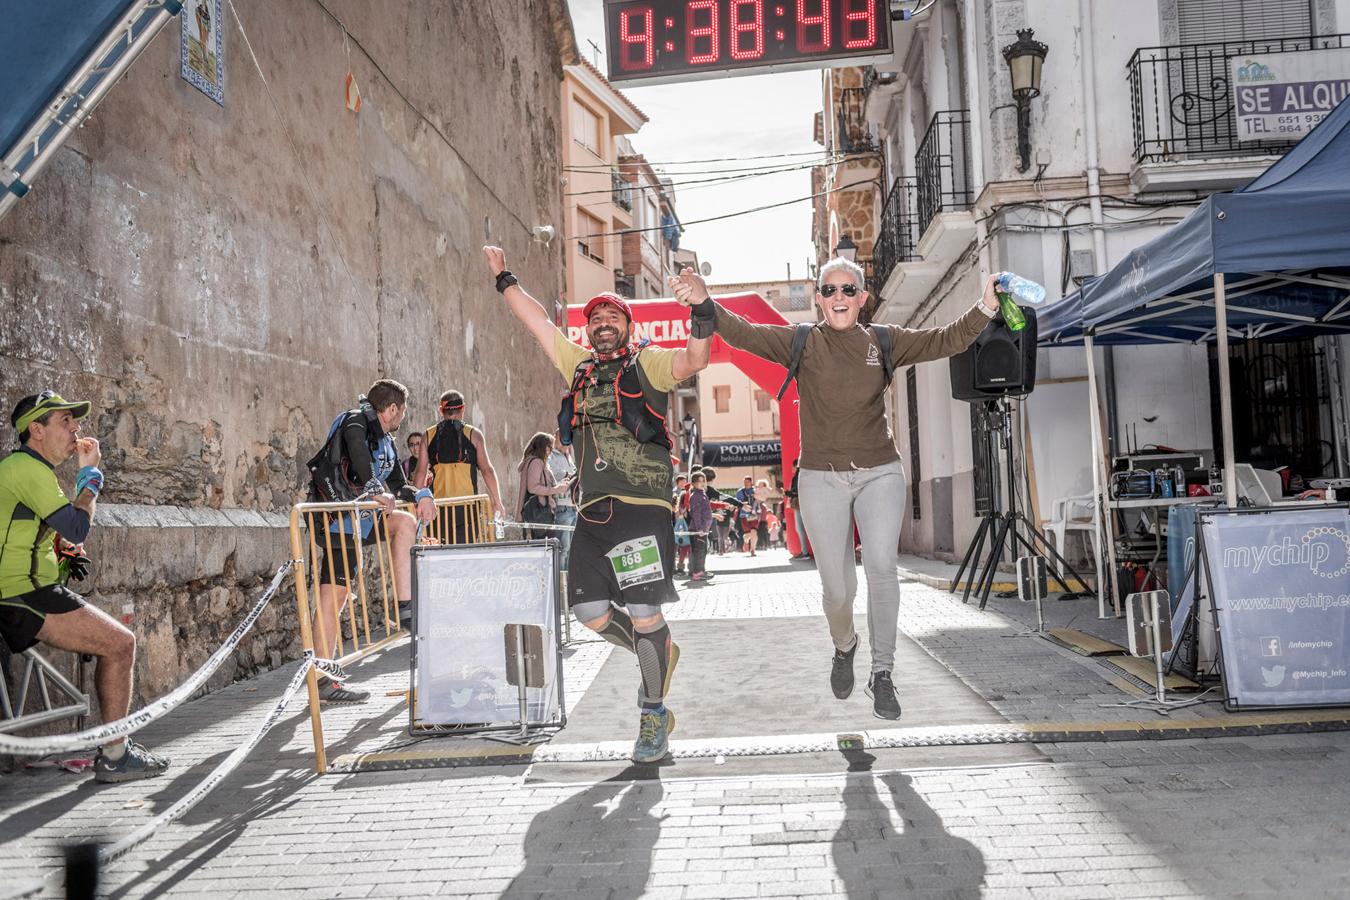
653	743
841	671
335	692
136	763
885	703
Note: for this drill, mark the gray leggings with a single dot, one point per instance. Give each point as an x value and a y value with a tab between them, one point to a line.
831	502
591	610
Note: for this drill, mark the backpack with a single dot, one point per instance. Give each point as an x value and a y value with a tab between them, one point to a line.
803	330
330	470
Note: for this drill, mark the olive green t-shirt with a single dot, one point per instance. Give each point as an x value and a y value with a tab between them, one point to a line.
610	460
29	493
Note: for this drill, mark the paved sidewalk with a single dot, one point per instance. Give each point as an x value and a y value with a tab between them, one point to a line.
1186	818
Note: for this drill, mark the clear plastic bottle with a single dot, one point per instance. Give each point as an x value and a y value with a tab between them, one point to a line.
1012	289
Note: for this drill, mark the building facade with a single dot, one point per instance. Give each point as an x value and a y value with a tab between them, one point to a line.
1133	125
598	197
221	280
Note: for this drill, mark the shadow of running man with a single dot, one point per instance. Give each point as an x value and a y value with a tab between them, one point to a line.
875	859
597	842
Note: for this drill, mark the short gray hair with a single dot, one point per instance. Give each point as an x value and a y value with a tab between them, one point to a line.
839	264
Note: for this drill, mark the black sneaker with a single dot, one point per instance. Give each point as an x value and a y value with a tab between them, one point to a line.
841	671
885	703
331	691
134	764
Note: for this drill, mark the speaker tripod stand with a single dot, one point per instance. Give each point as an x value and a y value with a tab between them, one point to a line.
1005	528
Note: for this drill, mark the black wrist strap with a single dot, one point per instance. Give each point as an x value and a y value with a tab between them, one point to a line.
505	279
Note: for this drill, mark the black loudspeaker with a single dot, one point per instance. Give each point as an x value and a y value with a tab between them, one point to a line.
1000	362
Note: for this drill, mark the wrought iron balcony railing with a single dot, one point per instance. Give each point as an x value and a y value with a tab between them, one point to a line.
942	167
898	232
1181	100
852	132
622	191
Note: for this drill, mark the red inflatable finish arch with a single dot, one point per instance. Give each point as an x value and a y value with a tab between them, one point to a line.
666	324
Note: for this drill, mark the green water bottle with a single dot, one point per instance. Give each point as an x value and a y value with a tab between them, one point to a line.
1012	315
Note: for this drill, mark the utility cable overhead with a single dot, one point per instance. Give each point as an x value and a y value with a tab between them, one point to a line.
825	160
743	212
716	159
683	186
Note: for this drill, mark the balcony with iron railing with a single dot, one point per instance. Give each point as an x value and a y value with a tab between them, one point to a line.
852	132
942	168
897	232
1181	98
622	191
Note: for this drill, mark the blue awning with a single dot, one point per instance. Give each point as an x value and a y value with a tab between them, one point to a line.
1283	243
57	60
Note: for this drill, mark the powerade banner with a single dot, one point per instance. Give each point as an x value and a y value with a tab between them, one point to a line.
742	453
1280	585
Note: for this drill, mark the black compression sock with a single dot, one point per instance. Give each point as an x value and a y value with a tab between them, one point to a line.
653	653
618	630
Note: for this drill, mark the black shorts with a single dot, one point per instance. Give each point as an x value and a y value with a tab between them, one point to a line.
21	617
605	525
342	573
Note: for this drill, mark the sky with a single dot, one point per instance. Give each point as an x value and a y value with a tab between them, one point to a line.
737	117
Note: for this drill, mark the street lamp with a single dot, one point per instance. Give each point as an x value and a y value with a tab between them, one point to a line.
1025	58
846	249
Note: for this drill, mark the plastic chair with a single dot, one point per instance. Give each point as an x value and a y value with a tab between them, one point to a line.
1072	514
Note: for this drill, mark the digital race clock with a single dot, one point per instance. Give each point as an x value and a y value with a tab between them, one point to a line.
678	40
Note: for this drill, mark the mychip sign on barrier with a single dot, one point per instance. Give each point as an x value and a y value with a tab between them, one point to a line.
466	600
1280	588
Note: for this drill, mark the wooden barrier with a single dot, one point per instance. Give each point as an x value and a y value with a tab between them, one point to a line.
323	550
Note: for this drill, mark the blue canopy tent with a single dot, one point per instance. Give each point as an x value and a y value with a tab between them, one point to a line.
1269	260
57	61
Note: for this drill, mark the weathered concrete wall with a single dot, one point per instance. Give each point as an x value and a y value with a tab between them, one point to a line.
222	281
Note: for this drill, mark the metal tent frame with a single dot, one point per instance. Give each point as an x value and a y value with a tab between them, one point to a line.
72	103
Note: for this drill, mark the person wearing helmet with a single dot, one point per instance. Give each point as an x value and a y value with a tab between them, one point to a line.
623	550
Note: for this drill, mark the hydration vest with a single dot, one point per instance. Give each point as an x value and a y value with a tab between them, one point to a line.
453	459
635	413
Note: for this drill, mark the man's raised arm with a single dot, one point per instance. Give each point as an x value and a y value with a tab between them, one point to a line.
689	289
528	310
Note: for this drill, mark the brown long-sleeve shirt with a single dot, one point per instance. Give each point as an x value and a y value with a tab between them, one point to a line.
841	381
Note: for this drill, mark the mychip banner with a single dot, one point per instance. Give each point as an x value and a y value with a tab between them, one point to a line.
1280	587
465	598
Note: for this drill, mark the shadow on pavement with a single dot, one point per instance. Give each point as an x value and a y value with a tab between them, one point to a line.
873	858
598	841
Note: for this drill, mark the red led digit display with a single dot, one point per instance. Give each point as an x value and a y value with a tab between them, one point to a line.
747	29
701	34
860	24
671	40
637	44
813	30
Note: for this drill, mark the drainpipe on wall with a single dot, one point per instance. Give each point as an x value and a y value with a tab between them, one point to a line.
1087	54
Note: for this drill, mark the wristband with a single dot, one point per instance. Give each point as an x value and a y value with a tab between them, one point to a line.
703	319
422	494
505	279
89	479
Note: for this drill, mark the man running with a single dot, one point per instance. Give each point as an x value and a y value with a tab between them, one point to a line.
35	604
623	551
455	454
850	468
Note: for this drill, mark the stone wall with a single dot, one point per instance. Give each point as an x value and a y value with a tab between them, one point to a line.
221	281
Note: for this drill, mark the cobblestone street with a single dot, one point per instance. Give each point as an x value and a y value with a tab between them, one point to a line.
1187	818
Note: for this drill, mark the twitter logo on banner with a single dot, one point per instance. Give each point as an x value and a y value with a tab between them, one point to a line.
1273	676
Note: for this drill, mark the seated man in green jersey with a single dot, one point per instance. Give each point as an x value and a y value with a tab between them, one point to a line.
35	605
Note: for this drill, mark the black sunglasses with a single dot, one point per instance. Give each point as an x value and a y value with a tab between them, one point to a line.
849	290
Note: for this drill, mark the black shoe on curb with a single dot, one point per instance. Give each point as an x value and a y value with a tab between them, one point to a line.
885	703
841	671
135	763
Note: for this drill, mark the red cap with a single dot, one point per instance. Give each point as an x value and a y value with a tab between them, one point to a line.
613	300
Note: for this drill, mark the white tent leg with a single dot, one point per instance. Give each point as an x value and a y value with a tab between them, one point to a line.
1097	485
1225	394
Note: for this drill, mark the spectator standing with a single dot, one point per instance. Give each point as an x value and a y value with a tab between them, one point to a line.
564	505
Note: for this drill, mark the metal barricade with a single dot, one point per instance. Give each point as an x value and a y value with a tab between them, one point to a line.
372	582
